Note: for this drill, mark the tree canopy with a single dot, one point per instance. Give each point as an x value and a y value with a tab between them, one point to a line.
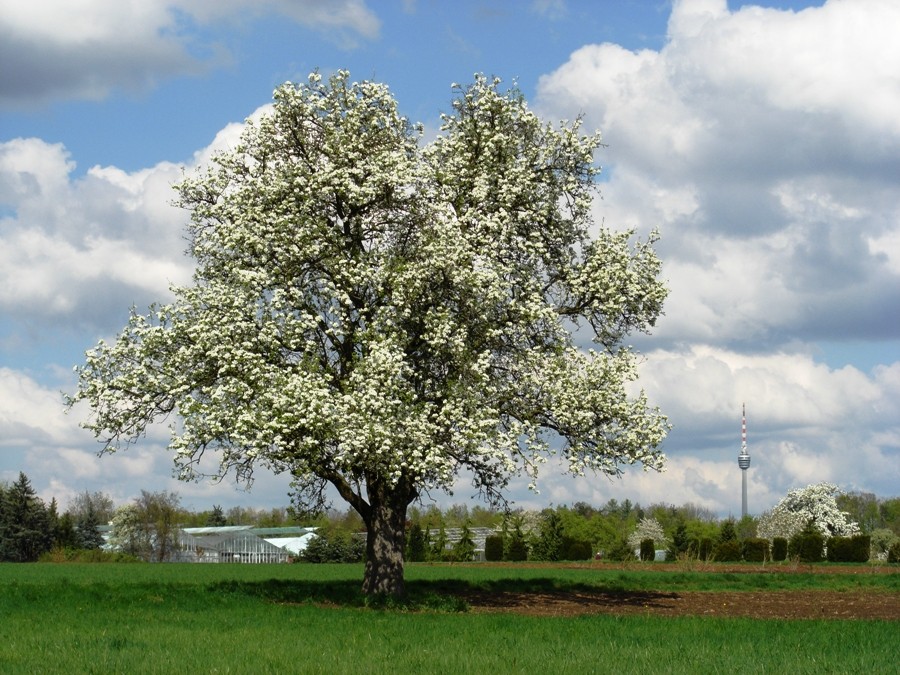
379	314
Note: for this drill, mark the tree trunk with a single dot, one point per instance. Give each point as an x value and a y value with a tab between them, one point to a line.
385	542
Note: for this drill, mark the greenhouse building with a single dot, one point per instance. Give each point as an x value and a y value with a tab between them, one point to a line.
242	544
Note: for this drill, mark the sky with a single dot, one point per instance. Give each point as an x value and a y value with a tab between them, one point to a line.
761	140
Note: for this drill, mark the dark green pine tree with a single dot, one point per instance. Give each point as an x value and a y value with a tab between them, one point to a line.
216	517
727	531
464	548
680	540
88	529
517	550
62	528
415	545
438	549
65	533
548	544
25	529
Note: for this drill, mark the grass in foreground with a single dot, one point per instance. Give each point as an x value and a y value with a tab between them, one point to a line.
253	618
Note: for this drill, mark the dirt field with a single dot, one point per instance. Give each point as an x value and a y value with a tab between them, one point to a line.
809	604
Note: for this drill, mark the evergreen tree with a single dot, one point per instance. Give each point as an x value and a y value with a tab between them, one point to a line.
415	547
216	517
438	549
88	530
25	529
680	540
65	534
62	528
517	549
464	549
727	532
493	547
548	544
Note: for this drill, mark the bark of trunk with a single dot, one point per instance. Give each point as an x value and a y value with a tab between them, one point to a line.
385	542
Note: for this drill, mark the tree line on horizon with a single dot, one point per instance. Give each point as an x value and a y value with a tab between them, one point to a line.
30	528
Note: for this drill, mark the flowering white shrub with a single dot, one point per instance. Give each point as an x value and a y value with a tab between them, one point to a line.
814	503
379	316
882	540
648	528
130	532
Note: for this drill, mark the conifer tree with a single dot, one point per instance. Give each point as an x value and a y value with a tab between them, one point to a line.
88	530
464	547
25	528
415	550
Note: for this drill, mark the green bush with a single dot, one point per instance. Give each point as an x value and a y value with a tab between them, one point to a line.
648	550
705	548
882	539
728	551
493	547
416	543
85	555
838	549
779	549
334	546
620	550
518	549
893	555
755	549
808	546
862	547
576	549
849	549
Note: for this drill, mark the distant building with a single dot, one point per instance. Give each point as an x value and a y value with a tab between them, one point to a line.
239	544
242	544
454	534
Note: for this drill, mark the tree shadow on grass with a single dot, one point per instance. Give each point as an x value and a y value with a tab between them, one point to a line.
443	595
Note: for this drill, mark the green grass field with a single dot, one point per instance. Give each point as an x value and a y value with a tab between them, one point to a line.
142	618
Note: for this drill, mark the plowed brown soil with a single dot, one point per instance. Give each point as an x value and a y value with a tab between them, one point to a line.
775	604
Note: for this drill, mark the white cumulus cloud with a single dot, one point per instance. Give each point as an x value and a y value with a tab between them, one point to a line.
74	246
66	49
764	144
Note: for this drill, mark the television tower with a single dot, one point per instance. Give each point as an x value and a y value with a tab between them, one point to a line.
744	460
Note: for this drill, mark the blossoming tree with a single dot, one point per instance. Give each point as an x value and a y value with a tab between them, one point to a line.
816	504
377	314
649	528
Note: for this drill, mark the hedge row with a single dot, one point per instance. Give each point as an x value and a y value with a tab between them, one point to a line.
849	549
806	546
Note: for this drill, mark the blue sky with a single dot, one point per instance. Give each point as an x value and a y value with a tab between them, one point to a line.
763	140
